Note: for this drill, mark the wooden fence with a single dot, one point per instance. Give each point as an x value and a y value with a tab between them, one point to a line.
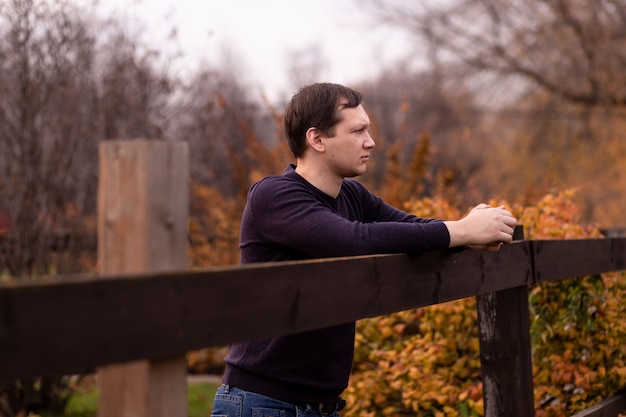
136	320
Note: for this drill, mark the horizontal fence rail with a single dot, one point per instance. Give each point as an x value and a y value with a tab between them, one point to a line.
72	324
607	408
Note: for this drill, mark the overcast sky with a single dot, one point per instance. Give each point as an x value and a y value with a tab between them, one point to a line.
259	34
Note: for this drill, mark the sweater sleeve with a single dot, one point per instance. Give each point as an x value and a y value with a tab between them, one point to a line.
285	216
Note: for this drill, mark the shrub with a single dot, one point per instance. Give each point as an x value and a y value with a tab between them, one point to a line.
425	362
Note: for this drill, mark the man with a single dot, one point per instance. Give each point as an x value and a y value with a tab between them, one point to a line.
315	210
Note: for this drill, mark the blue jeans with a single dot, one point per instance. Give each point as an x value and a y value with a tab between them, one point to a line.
234	402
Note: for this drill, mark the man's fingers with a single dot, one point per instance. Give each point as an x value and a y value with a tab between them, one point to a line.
488	247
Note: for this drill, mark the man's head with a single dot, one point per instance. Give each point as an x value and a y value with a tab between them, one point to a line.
317	105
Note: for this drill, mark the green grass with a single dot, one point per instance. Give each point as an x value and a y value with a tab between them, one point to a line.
83	403
199	401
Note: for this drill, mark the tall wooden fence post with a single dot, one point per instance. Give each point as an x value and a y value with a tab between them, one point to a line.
143	205
505	351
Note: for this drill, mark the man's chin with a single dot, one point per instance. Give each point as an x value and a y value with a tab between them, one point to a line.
356	174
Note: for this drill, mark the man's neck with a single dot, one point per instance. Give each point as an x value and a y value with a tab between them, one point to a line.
320	179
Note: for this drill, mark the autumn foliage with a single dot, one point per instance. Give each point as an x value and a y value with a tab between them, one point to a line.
425	362
554	155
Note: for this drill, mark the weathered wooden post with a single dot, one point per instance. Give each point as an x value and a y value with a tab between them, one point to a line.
505	351
143	205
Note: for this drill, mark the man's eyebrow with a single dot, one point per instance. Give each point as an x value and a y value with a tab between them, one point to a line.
359	128
362	124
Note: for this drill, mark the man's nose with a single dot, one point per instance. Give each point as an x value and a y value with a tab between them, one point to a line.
369	143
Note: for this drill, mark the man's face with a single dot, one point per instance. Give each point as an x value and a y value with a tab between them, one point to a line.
349	149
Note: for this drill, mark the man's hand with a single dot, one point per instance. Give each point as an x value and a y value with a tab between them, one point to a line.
484	228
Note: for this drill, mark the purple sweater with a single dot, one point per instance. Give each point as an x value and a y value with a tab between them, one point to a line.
287	218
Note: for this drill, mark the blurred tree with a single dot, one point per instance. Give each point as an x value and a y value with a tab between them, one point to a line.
135	93
230	134
558	146
426	125
48	136
573	49
546	79
48	132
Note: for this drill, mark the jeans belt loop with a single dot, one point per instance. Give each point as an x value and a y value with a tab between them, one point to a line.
321	410
327	409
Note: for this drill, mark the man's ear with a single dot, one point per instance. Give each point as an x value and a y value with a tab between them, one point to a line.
314	139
